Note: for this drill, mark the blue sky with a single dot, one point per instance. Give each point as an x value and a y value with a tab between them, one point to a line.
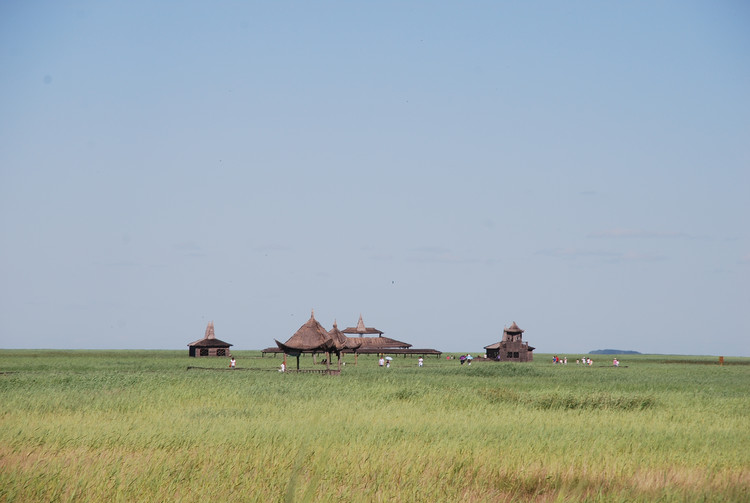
442	168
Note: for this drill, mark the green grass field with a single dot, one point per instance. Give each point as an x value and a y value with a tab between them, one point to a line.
138	426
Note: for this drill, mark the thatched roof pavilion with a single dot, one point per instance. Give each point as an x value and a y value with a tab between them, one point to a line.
361	329
310	338
209	345
341	341
372	343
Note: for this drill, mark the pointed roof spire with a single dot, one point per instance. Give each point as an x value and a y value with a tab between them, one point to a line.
362	329
210	331
513	328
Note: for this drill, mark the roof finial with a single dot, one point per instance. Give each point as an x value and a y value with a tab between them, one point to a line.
210	330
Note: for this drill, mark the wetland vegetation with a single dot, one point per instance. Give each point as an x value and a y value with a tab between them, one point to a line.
138	426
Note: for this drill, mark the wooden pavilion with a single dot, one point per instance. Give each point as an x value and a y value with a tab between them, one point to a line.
364	340
372	344
209	345
310	338
380	344
512	348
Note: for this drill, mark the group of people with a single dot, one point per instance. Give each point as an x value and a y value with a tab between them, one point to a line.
465	359
583	361
386	362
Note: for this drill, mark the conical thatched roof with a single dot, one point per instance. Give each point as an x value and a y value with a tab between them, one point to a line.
209	340
361	329
340	339
310	337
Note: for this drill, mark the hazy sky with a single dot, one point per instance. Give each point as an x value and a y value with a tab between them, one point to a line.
442	168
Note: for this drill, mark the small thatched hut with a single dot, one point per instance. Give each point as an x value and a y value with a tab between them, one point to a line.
511	348
209	345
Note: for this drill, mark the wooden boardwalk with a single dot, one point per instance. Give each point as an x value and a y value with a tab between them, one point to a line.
333	372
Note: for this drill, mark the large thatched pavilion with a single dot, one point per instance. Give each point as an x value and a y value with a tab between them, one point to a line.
511	348
363	340
310	338
209	345
359	335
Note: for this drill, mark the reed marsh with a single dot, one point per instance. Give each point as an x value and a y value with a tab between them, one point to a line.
139	426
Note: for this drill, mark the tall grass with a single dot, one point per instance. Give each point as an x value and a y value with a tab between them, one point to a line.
139	426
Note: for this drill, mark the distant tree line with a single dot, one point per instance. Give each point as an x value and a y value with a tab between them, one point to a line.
613	352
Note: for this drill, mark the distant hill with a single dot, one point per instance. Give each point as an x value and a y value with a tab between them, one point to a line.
613	352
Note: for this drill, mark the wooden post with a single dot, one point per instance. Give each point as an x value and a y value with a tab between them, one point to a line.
721	361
